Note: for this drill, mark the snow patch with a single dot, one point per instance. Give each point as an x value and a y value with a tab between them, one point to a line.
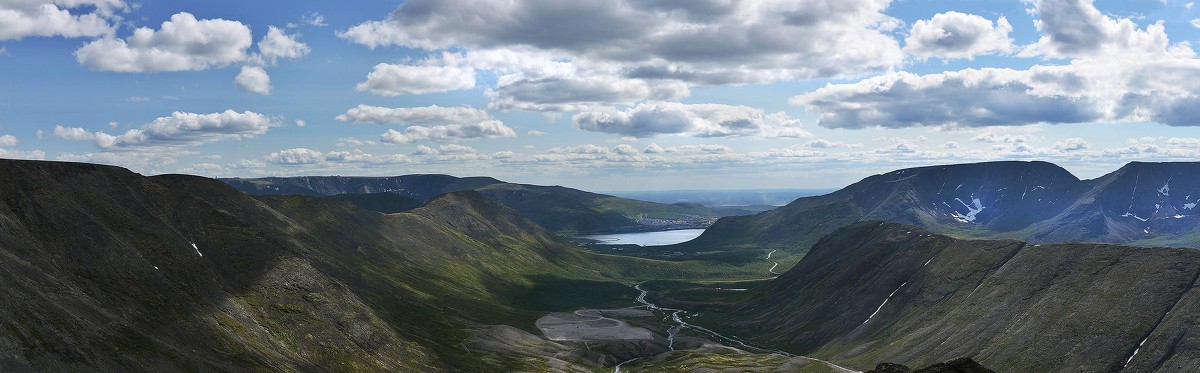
197	249
973	209
1166	189
1131	215
1189	206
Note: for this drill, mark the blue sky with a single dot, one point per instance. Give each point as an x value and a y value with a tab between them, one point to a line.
599	94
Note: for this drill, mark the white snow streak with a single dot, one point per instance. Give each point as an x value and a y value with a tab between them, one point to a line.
197	249
1135	351
885	300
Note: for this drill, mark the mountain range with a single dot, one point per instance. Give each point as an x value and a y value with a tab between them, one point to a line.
104	269
1144	204
557	208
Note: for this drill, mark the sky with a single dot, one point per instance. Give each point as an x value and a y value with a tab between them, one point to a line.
607	95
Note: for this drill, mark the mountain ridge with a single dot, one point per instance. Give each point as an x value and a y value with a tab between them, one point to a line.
1141	203
558	208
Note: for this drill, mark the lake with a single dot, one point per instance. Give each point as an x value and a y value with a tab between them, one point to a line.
647	238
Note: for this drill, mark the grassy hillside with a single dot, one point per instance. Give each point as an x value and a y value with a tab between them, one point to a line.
878	291
105	269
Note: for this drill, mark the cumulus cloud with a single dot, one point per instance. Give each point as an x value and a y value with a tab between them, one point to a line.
69	19
275	45
534	80
181	44
1075	28
254	79
179	129
953	35
296	156
619	52
8	140
447	72
278	45
434	123
699	120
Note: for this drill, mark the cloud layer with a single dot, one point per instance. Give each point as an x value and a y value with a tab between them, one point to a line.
698	120
605	52
434	123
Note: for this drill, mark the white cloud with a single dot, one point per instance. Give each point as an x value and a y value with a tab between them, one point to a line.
433	123
69	19
1195	22
22	154
532	80
455	148
417	115
181	44
1000	138
535	133
1071	144
254	79
278	45
314	19
451	132
8	140
699	120
953	35
275	45
296	156
73	133
301	123
447	72
1075	28
179	129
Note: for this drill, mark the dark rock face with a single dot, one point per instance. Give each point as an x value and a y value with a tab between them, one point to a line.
961	365
882	291
890	368
1146	204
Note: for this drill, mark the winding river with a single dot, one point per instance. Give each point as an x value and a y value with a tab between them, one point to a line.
680	325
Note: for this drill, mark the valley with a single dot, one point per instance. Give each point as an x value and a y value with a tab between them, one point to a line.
195	274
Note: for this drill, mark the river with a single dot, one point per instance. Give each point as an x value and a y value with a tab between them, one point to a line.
647	238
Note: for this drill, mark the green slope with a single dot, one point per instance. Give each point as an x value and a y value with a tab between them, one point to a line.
877	291
99	272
